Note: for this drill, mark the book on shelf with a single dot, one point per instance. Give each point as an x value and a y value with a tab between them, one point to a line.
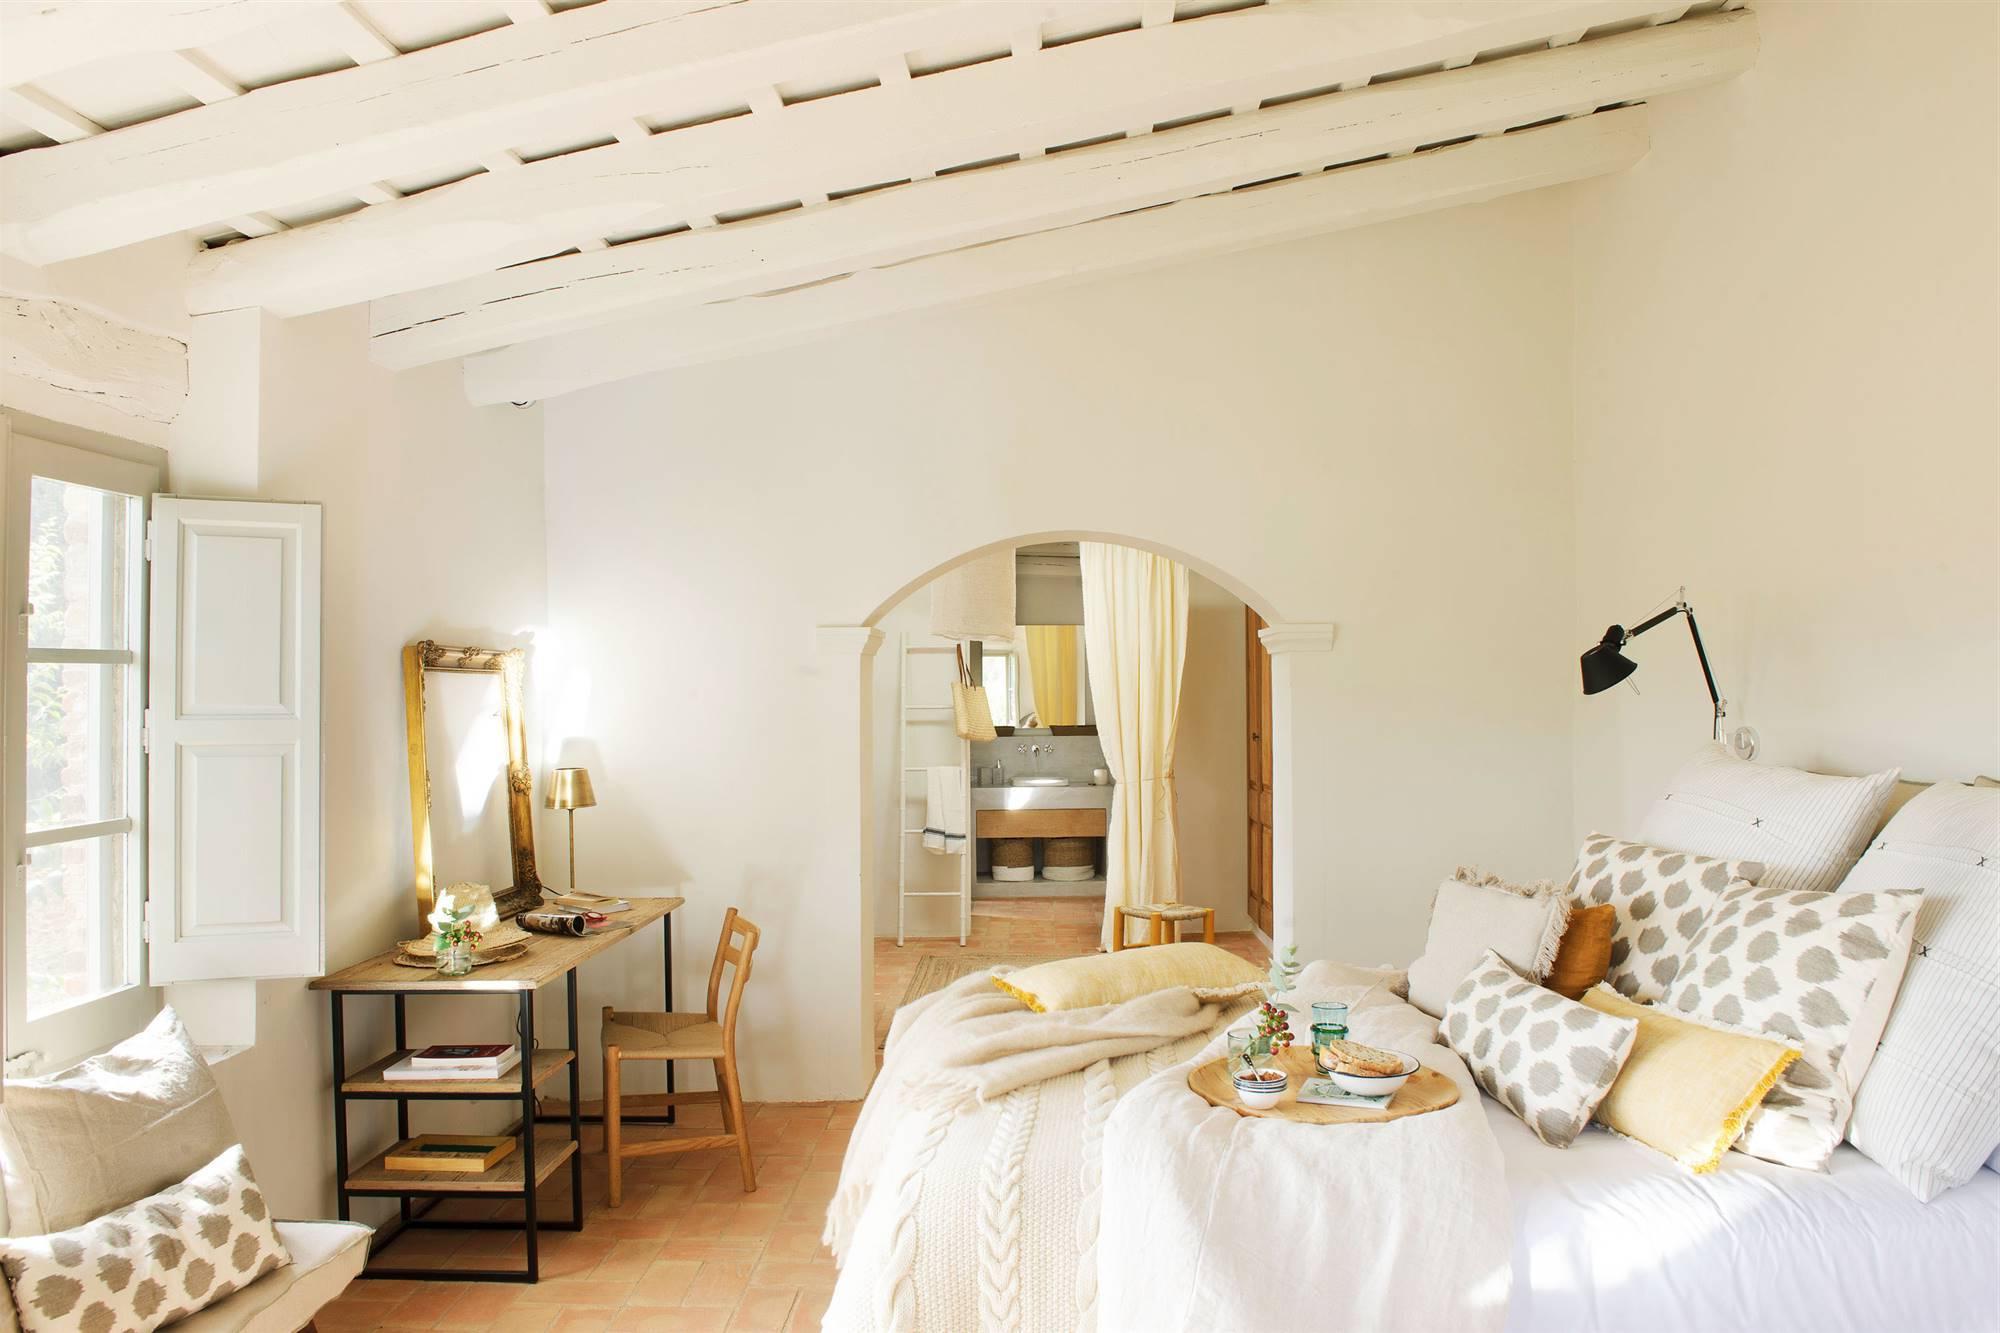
407	1068
467	1153
452	1056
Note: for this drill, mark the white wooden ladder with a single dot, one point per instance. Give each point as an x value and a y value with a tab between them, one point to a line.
926	714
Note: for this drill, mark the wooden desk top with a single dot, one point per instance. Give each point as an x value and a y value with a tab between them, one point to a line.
548	957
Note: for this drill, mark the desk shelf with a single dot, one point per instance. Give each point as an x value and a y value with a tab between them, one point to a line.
553	1147
370	1083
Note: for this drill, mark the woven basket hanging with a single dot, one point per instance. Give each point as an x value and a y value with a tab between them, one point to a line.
1069	852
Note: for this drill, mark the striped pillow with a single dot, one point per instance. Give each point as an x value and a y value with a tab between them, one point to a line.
1806	828
1929	1110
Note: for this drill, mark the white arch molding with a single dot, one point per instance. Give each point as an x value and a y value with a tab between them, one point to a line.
844	818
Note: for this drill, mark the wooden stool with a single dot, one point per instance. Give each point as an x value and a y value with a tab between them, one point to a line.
650	1036
1163	919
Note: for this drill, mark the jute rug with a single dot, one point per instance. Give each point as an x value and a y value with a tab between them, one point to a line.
936	971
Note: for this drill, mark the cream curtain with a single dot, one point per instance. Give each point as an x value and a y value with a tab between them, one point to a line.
1135	610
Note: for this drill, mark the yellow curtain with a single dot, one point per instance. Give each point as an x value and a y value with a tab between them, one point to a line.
1135	608
1052	666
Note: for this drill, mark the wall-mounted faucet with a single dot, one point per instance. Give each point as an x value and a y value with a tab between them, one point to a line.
1035	753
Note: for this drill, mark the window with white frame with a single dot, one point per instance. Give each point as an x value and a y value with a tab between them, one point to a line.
74	768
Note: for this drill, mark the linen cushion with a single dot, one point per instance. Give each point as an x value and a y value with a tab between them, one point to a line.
1929	1111
1816	970
1686	1089
1113	978
1523	923
150	1262
1548	1060
1806	828
1661	898
76	1144
1584	955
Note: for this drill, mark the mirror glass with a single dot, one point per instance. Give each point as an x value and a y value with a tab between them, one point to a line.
1040	680
465	741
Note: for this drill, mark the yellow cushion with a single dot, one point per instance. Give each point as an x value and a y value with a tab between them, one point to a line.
1113	978
1686	1089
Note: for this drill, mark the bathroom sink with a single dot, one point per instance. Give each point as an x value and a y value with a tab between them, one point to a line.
1041	782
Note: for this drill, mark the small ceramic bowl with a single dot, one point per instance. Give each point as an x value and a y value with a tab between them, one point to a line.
1261	1094
1375	1085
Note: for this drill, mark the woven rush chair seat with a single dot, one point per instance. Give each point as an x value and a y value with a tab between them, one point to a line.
1169	911
1162	922
656	1036
709	1035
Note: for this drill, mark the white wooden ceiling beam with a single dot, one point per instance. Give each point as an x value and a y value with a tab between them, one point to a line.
578	73
70	363
47	116
1061	95
197	76
893	226
1352	196
363	42
43	37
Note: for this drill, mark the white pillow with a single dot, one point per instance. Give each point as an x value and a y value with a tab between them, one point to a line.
76	1144
1819	971
1471	914
1806	828
1930	1109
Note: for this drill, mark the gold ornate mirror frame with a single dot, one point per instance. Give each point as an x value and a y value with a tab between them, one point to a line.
510	664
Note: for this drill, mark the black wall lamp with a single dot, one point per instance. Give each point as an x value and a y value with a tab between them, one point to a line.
1605	666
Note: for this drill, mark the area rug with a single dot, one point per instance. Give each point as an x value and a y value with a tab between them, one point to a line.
936	971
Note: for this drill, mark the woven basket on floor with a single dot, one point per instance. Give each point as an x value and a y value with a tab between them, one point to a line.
1069	852
1013	852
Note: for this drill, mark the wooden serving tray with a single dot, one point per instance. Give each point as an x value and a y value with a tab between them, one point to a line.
1427	1090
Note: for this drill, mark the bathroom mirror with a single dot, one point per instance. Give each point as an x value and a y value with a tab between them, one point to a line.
1040	682
471	817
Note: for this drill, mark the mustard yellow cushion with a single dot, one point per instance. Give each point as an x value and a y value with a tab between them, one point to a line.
1113	978
1686	1089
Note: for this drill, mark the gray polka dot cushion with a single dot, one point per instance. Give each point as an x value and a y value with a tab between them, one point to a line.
1820	972
1662	898
1547	1059
151	1262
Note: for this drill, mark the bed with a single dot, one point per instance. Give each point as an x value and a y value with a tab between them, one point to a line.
1003	1215
1611	1235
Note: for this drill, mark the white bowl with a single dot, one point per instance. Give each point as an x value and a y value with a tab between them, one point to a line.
1375	1085
1264	1097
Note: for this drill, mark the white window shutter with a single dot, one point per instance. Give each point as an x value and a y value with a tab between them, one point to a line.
233	742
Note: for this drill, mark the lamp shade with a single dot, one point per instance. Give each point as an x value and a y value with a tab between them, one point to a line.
569	789
1603	665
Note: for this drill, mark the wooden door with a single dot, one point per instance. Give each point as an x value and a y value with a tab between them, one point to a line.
1257	691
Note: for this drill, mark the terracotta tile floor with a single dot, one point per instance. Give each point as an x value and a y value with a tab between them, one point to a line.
688	1249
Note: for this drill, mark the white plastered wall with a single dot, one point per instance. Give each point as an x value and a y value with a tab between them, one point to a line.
1322	427
1787	329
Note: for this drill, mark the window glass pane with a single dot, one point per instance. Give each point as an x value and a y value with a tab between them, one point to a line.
76	565
76	743
79	922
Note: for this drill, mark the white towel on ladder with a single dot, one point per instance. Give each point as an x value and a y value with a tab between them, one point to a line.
944	810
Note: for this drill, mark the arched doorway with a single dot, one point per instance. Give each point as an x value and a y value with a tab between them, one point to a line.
857	691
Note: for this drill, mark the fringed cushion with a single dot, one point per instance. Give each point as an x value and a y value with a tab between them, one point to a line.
1472	913
1686	1089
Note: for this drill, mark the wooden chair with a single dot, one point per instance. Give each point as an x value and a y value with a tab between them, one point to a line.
705	1036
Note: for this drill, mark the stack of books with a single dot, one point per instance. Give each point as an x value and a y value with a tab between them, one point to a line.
447	1062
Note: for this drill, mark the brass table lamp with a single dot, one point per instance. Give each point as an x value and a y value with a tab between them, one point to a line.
569	789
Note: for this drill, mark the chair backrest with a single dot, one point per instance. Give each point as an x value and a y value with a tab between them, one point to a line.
738	942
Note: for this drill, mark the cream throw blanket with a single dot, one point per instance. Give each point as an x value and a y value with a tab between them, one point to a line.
1020	1172
1215	1222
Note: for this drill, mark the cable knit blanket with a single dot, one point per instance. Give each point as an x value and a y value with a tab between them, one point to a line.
1020	1194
